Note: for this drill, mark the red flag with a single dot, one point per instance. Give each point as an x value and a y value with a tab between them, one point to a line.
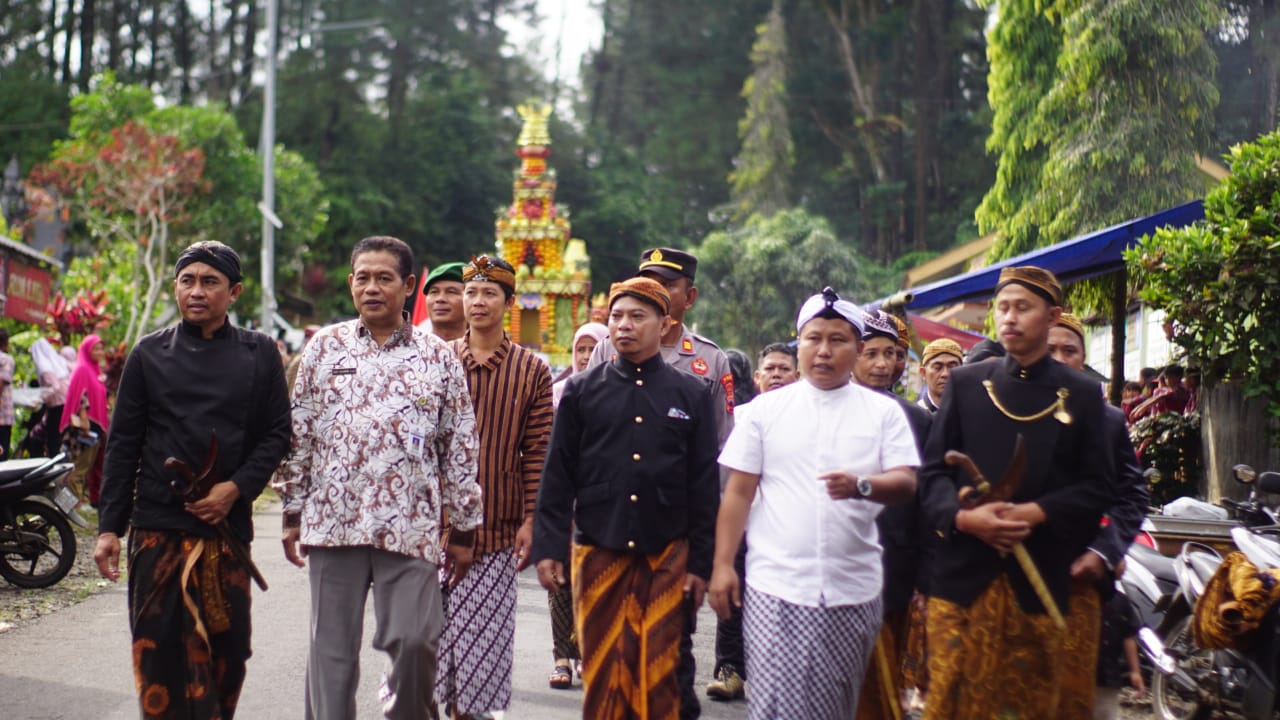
420	300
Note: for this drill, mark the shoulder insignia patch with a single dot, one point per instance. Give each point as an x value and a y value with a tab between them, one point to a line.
686	345
700	366
727	381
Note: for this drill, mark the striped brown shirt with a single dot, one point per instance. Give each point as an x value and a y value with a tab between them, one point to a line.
511	393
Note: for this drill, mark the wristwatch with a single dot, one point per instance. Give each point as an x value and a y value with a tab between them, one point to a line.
864	487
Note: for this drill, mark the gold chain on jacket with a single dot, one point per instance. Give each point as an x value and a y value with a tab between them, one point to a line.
1058	409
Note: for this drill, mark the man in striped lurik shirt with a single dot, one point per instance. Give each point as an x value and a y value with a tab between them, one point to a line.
511	392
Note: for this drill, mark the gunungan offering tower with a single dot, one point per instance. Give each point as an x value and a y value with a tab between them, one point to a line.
552	269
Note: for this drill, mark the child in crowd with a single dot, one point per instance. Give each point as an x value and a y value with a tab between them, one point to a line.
1117	657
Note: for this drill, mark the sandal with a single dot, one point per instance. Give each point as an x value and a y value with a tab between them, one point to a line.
561	676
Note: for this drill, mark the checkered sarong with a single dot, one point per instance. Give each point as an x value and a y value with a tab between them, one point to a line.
478	645
806	662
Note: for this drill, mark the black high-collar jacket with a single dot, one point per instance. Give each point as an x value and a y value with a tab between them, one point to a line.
1070	473
177	388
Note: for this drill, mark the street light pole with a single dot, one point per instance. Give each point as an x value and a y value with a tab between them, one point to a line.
267	143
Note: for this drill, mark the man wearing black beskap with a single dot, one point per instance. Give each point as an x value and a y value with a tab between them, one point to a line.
188	591
994	645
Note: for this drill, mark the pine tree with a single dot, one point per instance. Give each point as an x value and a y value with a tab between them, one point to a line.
761	179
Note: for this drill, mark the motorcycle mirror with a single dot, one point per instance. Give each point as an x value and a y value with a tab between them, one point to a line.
1269	482
1244	474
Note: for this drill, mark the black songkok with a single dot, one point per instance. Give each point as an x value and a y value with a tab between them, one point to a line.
214	254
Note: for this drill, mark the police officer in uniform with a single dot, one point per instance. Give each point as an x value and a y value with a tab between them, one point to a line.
676	271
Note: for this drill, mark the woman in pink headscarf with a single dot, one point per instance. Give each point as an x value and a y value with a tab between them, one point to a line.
584	341
87	398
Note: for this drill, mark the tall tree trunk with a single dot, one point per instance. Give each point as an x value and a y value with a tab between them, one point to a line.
115	46
68	32
1233	430
928	72
88	16
216	83
246	45
1264	29
51	36
1119	318
135	37
154	65
185	54
601	64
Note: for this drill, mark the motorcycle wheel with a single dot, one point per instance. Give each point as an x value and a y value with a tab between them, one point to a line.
42	546
1166	701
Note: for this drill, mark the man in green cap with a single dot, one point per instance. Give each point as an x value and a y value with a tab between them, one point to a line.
443	291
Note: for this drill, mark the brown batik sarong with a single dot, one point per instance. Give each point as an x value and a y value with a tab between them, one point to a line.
991	659
629	612
189	613
1080	653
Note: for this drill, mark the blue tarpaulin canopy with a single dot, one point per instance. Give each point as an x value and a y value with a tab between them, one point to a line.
1097	253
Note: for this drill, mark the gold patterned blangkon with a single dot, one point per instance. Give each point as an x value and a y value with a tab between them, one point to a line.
1058	409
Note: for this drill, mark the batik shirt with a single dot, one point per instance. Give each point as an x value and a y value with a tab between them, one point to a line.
383	438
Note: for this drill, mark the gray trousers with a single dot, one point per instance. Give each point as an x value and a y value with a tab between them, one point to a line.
409	613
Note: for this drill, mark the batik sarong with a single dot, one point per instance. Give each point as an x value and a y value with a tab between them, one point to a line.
564	638
991	659
883	686
1080	653
189	614
478	645
806	662
629	612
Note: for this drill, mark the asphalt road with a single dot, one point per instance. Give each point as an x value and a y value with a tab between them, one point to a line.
75	663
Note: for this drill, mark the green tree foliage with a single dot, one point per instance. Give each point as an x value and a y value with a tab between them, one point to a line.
133	186
760	181
1090	145
1216	279
1022	49
753	279
224	207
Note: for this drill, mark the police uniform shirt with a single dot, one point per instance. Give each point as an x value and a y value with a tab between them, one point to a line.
1067	473
696	355
632	464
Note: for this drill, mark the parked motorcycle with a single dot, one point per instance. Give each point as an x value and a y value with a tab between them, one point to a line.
37	542
1149	580
1192	682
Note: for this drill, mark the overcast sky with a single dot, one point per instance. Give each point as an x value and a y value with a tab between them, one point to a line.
575	23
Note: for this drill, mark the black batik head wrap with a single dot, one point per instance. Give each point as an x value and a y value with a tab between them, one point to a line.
214	254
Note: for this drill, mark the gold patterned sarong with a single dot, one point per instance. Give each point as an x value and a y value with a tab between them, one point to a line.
883	686
991	659
628	610
1080	653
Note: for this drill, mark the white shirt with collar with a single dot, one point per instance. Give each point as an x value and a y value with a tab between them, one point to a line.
804	547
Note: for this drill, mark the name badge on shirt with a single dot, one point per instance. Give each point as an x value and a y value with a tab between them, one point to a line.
344	371
417	445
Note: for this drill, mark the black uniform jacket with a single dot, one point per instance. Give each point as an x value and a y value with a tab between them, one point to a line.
176	389
1068	473
632	464
1125	518
907	547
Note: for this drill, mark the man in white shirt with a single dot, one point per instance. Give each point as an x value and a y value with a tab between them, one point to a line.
824	455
